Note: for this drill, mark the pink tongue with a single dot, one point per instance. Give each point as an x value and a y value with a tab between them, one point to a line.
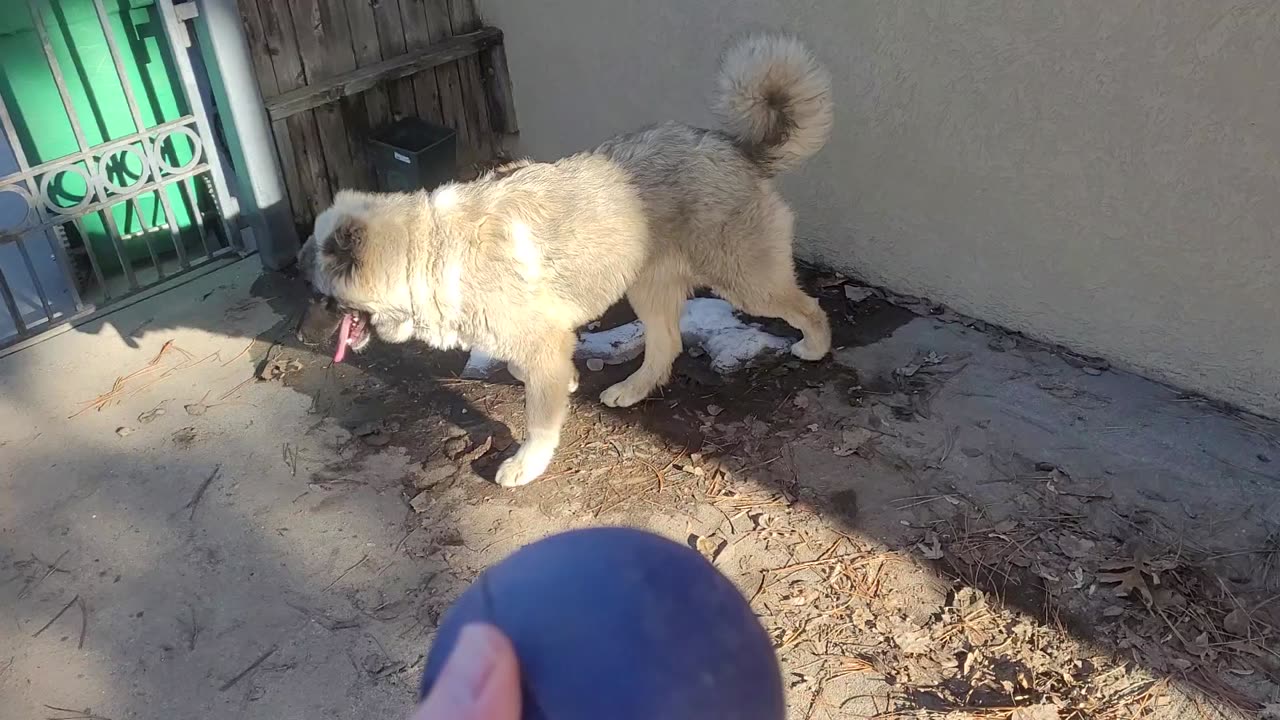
344	334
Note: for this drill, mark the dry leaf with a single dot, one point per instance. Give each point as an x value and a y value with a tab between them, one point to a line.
1237	623
931	548
1130	581
908	370
914	642
851	441
1044	711
709	546
1005	526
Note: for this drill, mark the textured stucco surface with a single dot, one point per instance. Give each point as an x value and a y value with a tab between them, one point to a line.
1102	173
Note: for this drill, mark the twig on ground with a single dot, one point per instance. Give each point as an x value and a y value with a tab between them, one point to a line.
52	569
344	572
195	499
74	714
252	666
241	353
54	619
84	622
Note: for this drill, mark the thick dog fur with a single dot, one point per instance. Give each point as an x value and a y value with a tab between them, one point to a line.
514	262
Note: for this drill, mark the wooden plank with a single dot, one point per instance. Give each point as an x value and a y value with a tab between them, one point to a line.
447	76
308	186
282	44
500	96
417	36
315	188
372	108
292	175
464	18
368	51
324	42
254	32
361	79
400	93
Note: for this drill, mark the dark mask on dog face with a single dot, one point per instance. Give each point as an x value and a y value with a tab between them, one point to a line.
320	321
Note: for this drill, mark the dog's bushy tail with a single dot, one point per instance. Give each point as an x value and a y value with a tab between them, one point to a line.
774	98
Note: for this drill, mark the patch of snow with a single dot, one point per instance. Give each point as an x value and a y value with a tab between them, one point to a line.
481	366
707	323
614	346
712	324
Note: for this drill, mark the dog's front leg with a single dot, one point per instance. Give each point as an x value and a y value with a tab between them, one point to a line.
547	379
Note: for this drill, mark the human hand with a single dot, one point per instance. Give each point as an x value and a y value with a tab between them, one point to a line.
479	681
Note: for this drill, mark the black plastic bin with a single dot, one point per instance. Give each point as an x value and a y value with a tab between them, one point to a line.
411	154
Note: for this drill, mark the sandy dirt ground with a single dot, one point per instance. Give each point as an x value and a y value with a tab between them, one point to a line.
200	517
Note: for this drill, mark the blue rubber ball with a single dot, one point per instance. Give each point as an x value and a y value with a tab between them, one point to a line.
621	624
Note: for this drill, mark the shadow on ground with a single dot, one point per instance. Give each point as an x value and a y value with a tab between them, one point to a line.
940	517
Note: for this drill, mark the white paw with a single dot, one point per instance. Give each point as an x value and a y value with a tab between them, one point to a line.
624	394
803	351
573	384
524	467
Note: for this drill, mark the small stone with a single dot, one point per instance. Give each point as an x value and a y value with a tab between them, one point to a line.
1003	343
123	431
595	364
855	294
434	474
714	410
1091	370
455	446
421	502
367	428
196	408
150	415
376	440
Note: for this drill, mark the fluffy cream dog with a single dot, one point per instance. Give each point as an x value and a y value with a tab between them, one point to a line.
514	262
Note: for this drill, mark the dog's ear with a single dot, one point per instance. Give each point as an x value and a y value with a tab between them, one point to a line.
345	246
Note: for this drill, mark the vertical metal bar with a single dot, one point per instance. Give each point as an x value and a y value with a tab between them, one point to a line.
11	134
146	234
9	302
177	42
33	190
193	206
172	221
35	279
136	113
93	259
109	221
55	236
61	81
64	263
114	49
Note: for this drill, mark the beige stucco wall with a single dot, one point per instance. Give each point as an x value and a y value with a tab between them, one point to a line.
1100	173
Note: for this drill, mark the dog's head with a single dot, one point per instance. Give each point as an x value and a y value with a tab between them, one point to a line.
356	269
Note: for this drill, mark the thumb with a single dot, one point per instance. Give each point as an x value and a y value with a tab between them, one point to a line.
479	681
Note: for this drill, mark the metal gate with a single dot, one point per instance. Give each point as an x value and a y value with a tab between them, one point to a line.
119	209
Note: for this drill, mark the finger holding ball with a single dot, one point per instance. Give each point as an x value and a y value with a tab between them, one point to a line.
622	624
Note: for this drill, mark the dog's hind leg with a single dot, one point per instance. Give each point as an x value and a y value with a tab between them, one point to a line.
548	374
767	286
658	299
788	302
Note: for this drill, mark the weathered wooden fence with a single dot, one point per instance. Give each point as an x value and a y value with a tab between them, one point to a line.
333	70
